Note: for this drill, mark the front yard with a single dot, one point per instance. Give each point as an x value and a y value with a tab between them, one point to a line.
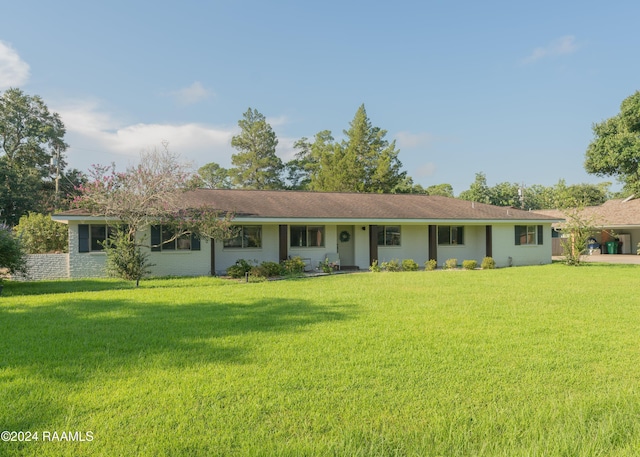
521	361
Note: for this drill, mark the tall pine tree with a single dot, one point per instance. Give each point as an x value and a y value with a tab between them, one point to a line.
363	162
256	164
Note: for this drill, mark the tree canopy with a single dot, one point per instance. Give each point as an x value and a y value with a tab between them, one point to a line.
363	162
536	196
256	164
30	137
615	149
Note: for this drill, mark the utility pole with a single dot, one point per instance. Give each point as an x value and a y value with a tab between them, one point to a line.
56	161
521	195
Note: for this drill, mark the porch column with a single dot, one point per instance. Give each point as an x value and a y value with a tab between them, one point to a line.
212	242
283	248
433	242
489	240
373	243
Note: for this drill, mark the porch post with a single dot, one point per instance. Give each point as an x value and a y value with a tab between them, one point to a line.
283	248
373	243
489	240
433	243
213	256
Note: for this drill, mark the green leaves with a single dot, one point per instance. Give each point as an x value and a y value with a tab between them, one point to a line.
30	135
363	162
256	164
615	149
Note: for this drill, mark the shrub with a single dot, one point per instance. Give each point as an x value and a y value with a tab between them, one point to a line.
409	265
12	254
469	264
41	235
450	264
488	263
391	265
125	259
430	265
325	266
239	269
271	269
294	265
375	268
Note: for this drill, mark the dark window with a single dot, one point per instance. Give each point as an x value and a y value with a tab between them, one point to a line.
450	235
164	239
307	236
528	235
91	237
247	236
389	235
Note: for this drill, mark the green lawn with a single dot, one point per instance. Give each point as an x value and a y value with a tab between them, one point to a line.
528	361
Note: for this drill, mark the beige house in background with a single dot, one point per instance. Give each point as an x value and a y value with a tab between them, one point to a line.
357	228
617	219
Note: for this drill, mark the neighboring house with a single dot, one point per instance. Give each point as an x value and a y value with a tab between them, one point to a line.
360	228
617	219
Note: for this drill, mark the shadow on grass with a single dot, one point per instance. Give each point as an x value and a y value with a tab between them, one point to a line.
62	286
74	342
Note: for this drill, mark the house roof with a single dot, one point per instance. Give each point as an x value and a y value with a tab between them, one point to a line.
612	213
283	205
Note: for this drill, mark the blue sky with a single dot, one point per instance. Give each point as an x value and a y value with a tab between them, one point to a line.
507	88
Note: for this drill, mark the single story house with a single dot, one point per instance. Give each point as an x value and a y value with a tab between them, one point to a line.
614	220
358	228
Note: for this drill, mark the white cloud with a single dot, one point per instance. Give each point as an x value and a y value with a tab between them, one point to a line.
195	93
95	137
559	47
413	140
13	70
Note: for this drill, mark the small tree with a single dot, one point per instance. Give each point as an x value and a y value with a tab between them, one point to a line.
41	235
577	229
125	259
12	256
147	194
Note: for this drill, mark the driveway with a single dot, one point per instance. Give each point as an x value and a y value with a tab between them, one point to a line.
610	258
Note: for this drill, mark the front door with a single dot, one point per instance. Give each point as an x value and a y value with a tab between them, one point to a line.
346	245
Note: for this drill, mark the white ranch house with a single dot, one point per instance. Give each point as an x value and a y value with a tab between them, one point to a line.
358	228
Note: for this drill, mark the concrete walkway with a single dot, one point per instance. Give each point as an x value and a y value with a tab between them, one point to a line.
610	258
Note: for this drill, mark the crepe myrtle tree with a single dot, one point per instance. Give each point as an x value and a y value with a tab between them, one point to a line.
143	195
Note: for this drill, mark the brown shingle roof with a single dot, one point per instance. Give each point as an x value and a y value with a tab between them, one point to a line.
612	213
335	205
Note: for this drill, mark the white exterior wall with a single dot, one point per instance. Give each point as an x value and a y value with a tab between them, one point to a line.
414	244
269	252
182	263
84	264
166	263
474	247
45	266
506	253
361	240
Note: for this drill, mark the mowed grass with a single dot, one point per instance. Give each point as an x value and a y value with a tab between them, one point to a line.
529	361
